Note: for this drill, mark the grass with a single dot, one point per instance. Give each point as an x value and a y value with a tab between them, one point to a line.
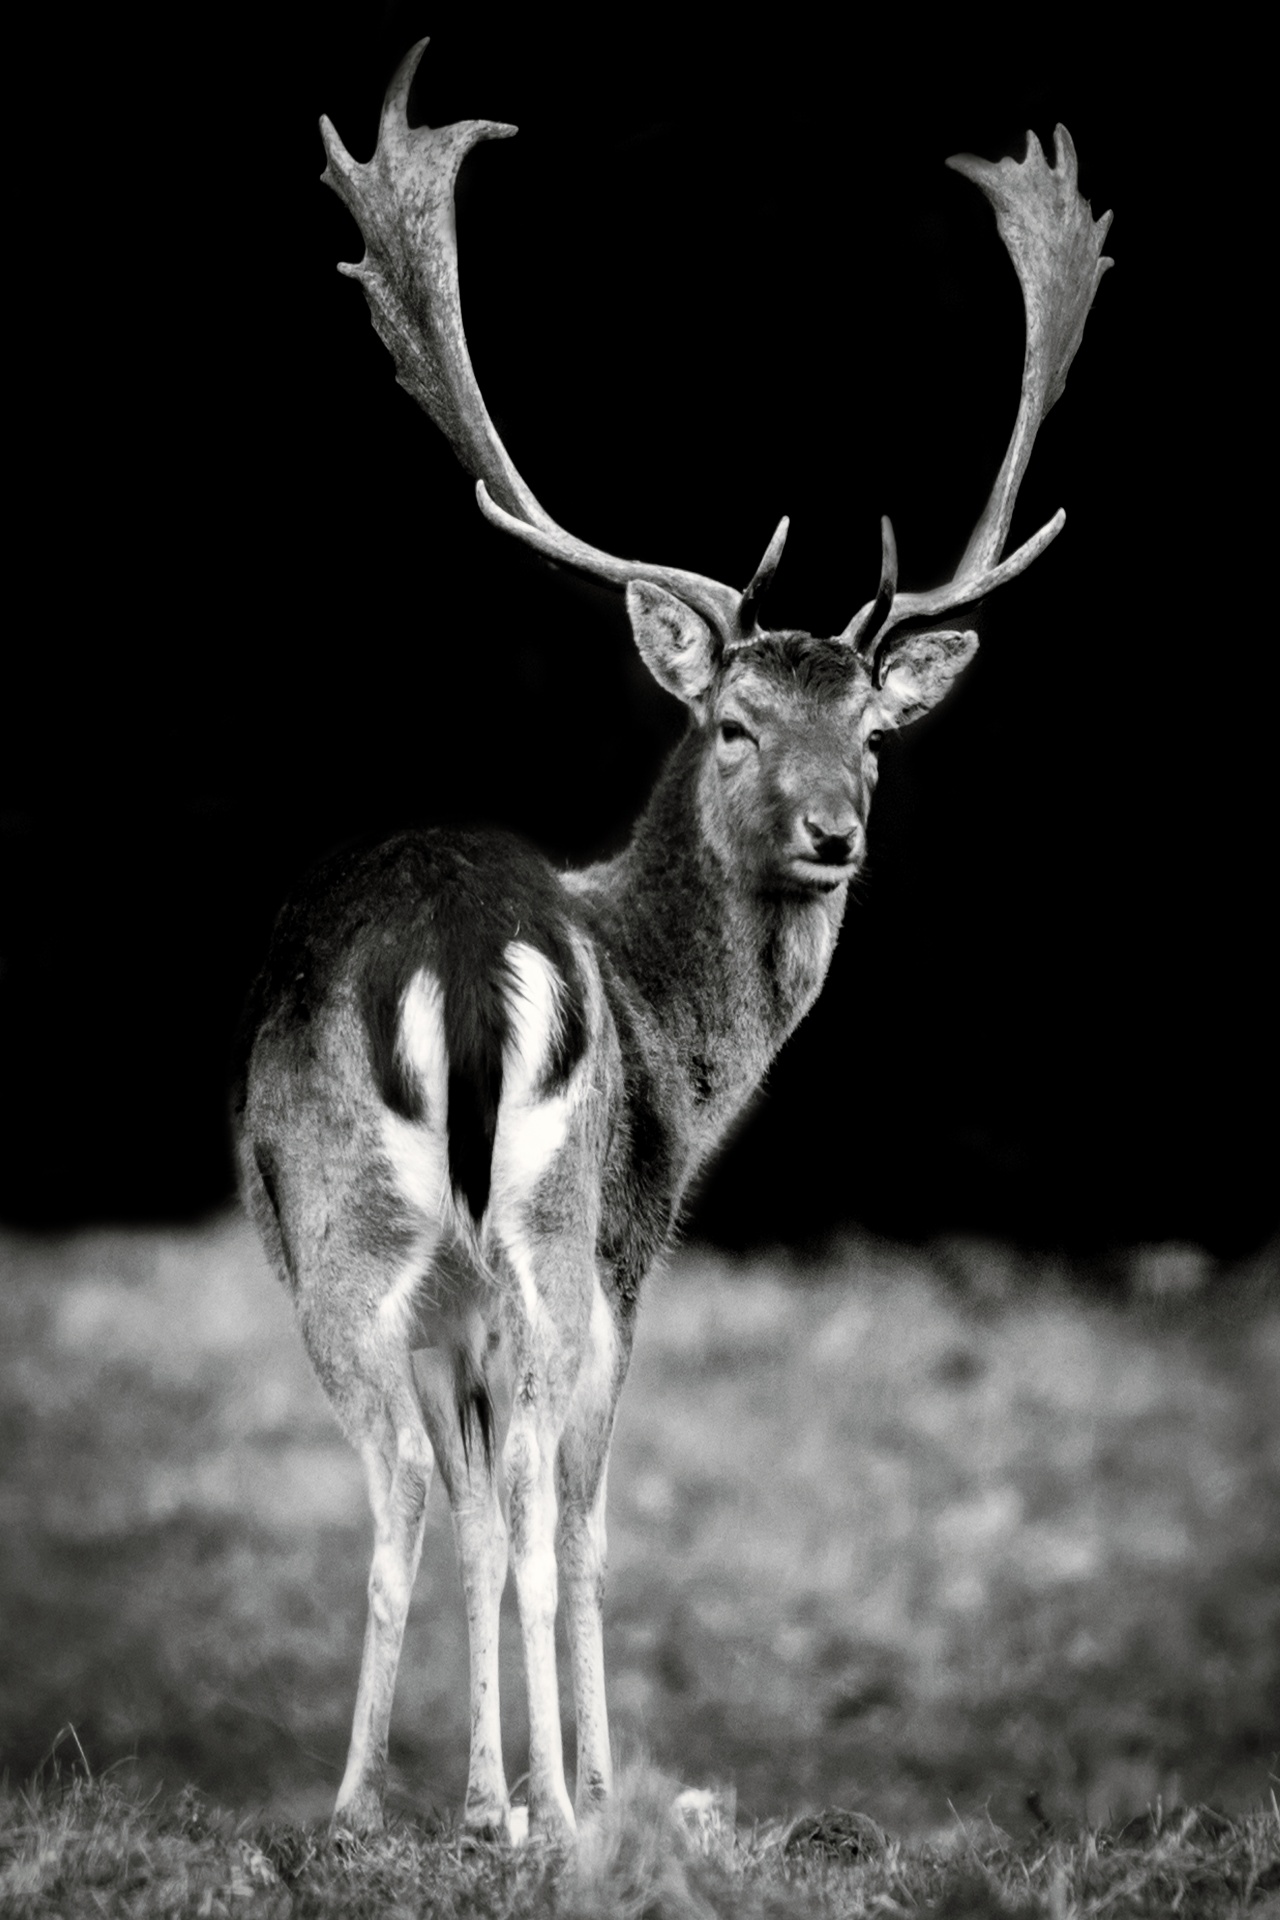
88	1847
962	1545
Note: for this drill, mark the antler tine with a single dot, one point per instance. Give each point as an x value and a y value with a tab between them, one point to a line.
1056	249
863	629
402	201
761	580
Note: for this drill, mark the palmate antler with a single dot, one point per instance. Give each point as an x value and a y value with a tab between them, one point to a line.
1056	248
402	201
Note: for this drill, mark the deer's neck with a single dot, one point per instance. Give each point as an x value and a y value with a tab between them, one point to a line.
714	972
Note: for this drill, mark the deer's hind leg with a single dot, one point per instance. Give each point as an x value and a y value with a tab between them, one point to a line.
397	1462
458	1409
541	1230
352	1324
352	1314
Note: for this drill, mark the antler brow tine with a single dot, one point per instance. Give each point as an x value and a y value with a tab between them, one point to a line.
402	201
871	619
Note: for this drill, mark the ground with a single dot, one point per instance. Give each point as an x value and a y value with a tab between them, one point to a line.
953	1540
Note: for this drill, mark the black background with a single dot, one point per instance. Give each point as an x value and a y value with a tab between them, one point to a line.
718	277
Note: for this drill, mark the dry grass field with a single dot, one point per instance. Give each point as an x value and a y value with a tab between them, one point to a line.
967	1547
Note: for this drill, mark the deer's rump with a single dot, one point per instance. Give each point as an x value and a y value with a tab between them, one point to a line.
434	942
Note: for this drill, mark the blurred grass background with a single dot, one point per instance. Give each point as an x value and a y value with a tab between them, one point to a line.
895	1530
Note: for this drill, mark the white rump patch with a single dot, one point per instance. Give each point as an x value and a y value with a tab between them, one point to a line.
532	1126
419	1150
535	1013
421	1040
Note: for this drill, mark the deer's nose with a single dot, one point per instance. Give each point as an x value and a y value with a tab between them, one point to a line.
835	837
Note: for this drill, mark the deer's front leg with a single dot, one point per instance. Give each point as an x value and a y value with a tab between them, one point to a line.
583	1462
549	1311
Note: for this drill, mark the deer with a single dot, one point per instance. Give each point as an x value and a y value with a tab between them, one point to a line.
477	1090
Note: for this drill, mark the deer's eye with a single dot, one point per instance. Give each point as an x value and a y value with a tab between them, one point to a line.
872	742
731	730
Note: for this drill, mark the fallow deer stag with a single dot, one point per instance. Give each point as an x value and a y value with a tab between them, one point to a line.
478	1089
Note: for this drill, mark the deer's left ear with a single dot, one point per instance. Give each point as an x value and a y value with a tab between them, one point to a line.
918	670
675	643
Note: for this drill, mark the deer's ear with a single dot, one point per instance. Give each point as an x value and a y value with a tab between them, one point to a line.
919	669
675	643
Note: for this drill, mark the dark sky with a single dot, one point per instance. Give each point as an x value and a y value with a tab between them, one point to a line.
708	284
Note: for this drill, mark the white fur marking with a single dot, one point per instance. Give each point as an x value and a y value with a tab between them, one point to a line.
419	1150
395	1309
420	1043
522	1265
901	685
531	1127
599	1355
534	1010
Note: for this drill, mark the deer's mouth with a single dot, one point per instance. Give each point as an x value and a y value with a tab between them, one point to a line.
808	872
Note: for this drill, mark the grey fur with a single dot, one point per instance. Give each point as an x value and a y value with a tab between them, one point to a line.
632	1029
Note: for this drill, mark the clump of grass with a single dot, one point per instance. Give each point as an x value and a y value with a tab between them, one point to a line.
85	1846
72	1846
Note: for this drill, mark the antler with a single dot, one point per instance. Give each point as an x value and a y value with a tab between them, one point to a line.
402	201
1056	248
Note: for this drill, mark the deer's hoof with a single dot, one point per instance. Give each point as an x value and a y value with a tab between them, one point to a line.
493	1826
360	1815
553	1824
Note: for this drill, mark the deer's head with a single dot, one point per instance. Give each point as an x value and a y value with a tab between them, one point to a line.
789	724
790	729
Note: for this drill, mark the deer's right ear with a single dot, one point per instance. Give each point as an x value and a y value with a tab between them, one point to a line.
675	643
